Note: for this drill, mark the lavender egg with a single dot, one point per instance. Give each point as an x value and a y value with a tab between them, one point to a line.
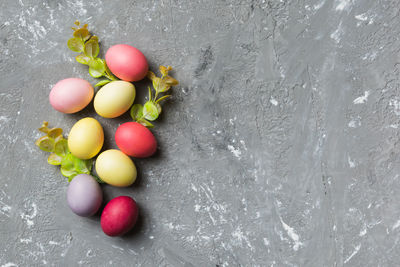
84	195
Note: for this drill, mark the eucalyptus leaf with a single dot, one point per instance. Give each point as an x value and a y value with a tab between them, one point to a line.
45	143
136	112
162	98
75	44
68	166
54	132
156	83
83	59
91	48
145	122
163	70
101	83
150	111
96	67
170	81
82	33
61	147
54	159
82	166
94	73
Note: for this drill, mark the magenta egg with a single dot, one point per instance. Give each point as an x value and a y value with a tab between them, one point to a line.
127	62
71	95
84	195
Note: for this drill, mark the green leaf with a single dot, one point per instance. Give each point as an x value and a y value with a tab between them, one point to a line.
156	83
54	159
136	112
101	83
75	44
163	70
150	111
82	166
45	143
92	48
82	34
151	75
83	59
162	98
54	132
146	123
68	166
96	67
170	81
61	147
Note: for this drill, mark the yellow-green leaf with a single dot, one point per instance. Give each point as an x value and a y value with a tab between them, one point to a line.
75	44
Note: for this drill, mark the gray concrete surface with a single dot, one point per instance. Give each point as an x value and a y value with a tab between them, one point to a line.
279	148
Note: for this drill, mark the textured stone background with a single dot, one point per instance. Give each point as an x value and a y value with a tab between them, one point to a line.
279	148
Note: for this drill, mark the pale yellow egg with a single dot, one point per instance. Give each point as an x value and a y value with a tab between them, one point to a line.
116	168
114	99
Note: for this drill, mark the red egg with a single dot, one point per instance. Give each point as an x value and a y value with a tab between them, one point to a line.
135	140
127	62
119	216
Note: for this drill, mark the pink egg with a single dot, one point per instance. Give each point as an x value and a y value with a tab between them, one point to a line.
71	95
127	62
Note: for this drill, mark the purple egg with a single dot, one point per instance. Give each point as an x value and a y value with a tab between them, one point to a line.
84	195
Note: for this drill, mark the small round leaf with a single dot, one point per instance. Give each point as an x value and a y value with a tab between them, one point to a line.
150	111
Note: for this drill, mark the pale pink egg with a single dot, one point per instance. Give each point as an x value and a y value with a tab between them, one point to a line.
71	95
127	62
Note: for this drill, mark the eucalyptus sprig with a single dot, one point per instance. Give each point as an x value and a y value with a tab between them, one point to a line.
55	143
88	47
150	111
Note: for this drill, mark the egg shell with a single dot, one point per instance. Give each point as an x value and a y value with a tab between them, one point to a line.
127	62
135	140
71	95
86	138
114	99
84	195
115	168
119	216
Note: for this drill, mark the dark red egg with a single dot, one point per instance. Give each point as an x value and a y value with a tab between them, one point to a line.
119	216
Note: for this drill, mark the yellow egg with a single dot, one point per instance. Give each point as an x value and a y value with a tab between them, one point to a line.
115	168
114	99
86	138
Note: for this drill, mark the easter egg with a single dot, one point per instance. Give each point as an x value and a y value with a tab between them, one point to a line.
114	99
135	140
84	195
115	168
86	138
119	216
127	62
71	95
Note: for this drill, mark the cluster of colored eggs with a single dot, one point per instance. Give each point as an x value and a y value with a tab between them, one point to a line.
86	138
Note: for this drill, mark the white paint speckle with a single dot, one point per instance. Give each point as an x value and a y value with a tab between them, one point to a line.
28	218
396	225
235	151
9	264
26	240
273	101
337	34
361	99
363	231
197	208
362	17
352	164
395	103
343	4
356	249
293	235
